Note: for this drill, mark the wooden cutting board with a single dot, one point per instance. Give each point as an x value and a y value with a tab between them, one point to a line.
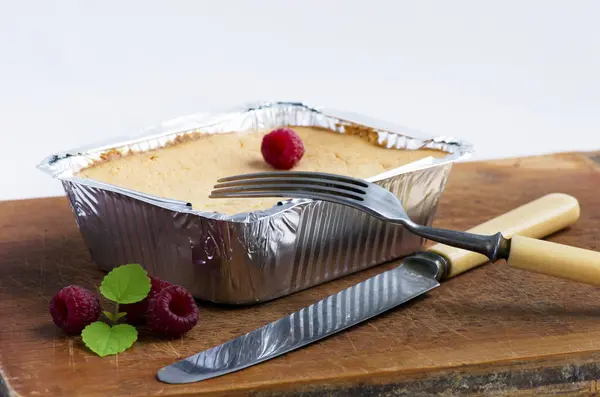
491	331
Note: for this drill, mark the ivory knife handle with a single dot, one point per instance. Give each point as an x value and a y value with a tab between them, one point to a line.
536	219
557	260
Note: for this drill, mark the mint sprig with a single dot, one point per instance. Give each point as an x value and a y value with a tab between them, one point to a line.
124	284
105	340
111	316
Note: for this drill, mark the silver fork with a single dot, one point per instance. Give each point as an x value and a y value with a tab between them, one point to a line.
357	193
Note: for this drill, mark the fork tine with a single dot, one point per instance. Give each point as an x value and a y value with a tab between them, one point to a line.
296	174
300	181
292	189
314	196
275	193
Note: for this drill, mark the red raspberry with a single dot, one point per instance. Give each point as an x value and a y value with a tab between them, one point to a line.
282	148
172	311
136	312
73	308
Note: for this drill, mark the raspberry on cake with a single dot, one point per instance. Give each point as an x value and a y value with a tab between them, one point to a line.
282	148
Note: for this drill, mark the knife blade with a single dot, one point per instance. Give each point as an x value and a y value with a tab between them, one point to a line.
326	317
416	275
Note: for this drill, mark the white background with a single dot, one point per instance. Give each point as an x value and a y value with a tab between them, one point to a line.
512	77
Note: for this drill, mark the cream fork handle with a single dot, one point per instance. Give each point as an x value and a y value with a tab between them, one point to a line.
536	219
557	260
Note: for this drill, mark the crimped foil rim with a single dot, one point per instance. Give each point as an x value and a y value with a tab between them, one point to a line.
457	150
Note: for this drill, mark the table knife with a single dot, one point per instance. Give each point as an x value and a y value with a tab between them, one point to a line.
416	274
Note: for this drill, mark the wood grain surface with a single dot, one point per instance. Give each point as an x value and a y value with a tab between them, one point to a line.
491	331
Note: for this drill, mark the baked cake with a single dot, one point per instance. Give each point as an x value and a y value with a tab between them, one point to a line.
188	170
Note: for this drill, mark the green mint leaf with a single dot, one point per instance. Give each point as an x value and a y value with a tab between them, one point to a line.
105	340
109	315
126	284
121	315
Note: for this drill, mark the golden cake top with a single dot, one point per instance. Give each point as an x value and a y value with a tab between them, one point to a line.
188	169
